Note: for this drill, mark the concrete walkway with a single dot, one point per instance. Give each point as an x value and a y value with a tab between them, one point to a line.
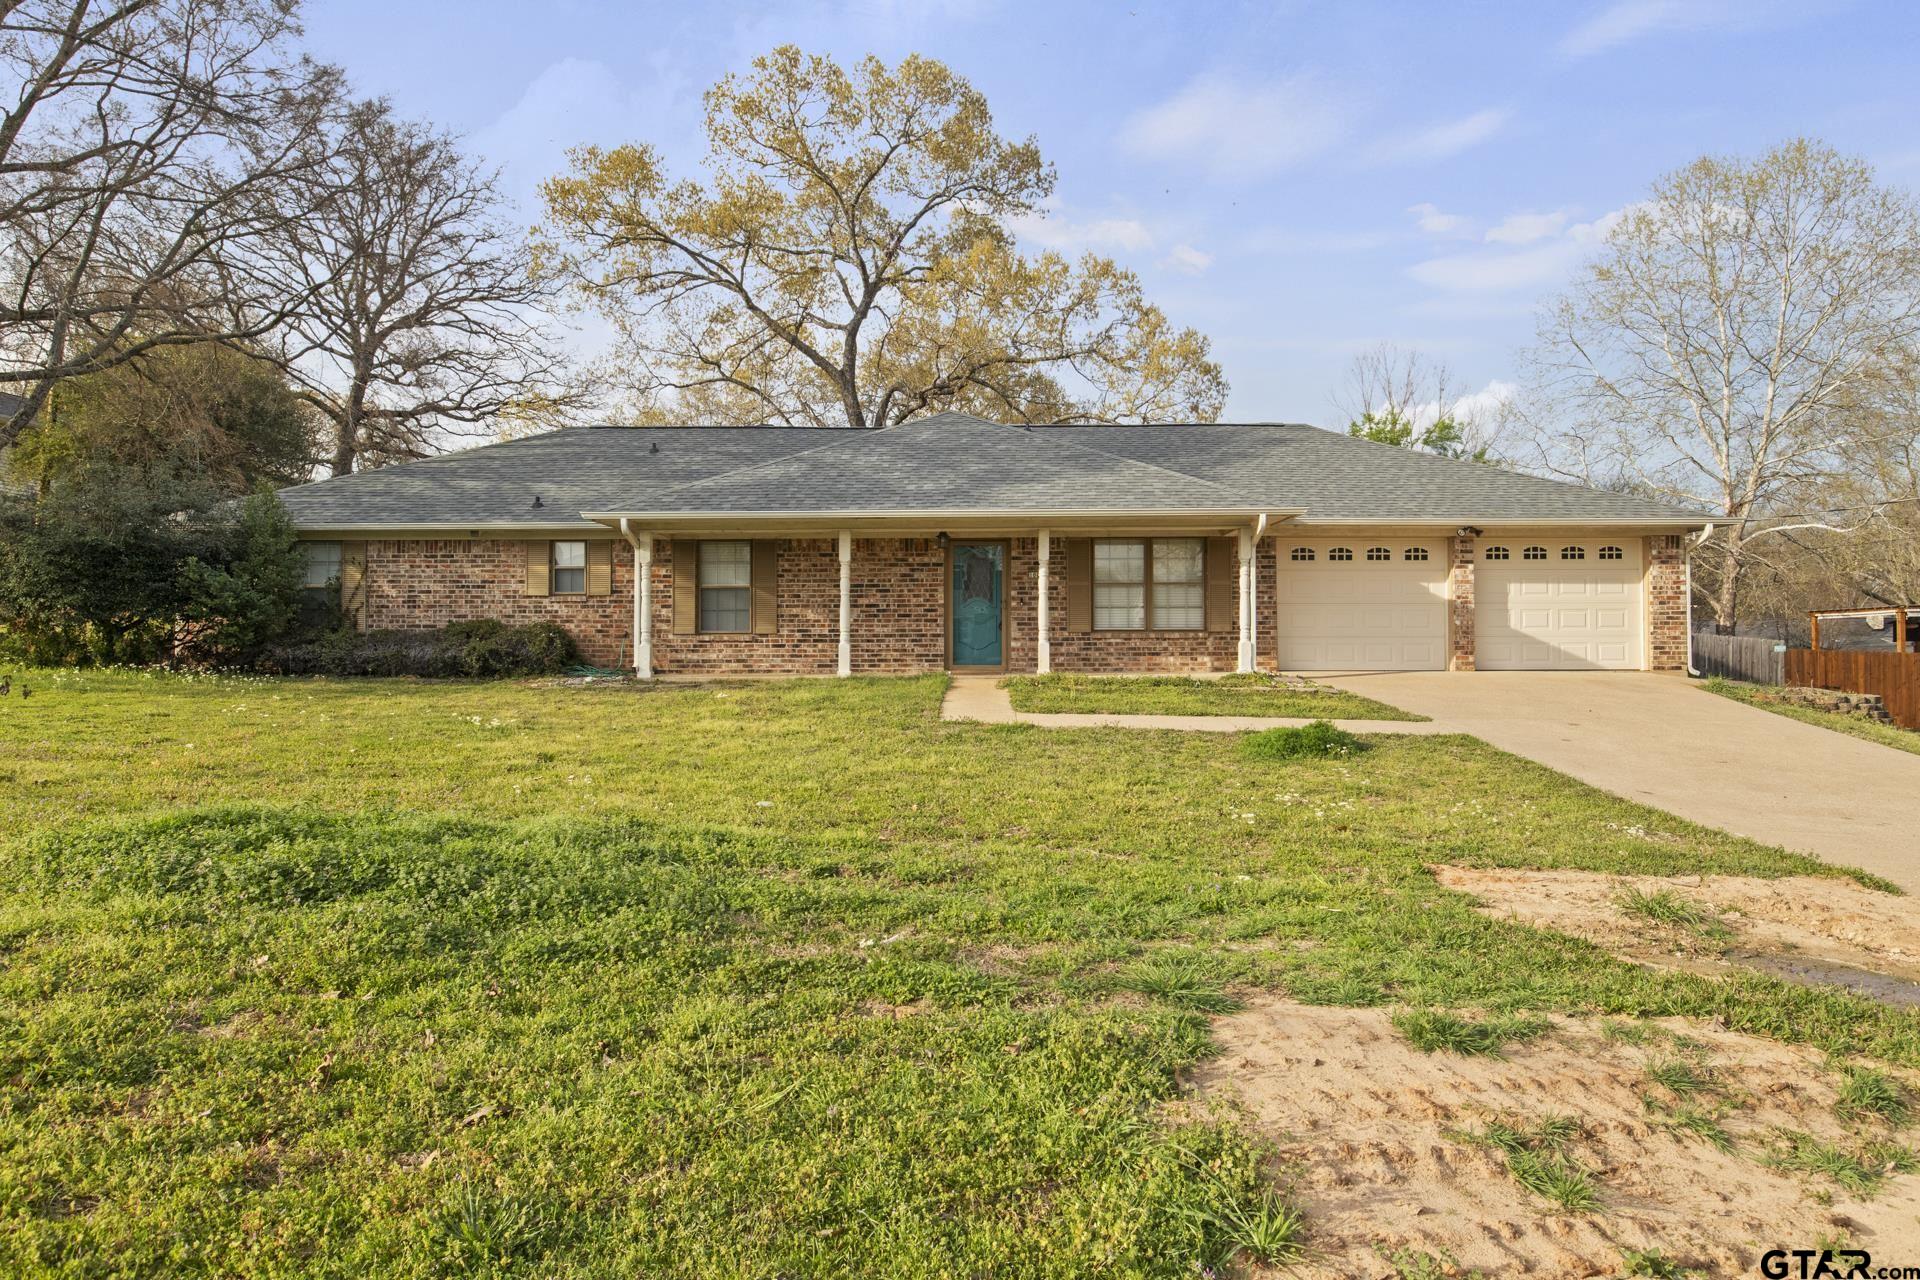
1665	742
982	699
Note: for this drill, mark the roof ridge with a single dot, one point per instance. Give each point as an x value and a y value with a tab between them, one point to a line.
453	455
1023	428
1153	466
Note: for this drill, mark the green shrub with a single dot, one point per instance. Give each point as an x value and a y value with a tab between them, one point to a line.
1307	741
480	649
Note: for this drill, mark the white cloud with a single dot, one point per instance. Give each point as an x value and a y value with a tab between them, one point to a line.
1627	20
1184	257
1485	405
1439	141
1540	265
1525	228
1239	130
1432	221
1051	228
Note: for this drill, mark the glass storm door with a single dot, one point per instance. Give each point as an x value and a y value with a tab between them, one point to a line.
979	569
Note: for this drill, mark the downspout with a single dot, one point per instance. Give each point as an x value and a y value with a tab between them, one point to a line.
1687	565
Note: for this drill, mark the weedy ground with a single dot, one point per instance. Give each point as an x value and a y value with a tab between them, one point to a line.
766	979
1767	698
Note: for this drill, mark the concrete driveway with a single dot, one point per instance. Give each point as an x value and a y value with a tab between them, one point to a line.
1662	741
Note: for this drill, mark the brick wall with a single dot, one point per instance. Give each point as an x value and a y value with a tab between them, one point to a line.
1124	651
422	583
898	595
1666	559
1460	605
896	579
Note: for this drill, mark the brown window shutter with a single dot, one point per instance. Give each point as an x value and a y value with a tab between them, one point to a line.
539	569
599	568
686	586
1223	580
1079	584
766	587
353	580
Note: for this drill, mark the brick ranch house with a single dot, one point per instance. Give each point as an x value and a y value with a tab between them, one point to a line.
961	544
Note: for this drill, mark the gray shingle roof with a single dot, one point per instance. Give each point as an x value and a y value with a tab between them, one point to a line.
579	469
1337	477
950	462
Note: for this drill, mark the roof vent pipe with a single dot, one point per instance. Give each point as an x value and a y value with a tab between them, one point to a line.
654	447
537	504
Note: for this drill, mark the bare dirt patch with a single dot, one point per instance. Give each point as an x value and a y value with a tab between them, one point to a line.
1812	928
1371	1141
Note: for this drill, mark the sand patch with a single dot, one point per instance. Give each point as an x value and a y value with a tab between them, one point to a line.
1796	926
1367	1133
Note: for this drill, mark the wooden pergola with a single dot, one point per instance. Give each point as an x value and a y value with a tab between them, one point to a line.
1906	622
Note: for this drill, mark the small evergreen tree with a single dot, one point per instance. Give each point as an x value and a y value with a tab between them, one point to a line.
232	609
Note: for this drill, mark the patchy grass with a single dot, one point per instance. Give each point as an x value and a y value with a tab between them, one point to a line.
1301	742
1665	907
1680	1077
1440	1031
389	977
1232	695
1767	698
1654	1263
1536	1156
1867	1094
1862	1170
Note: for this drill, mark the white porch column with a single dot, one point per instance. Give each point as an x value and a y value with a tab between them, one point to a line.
643	605
1043	650
846	602
1246	600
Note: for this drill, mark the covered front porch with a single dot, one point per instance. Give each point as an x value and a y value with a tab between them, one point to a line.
1092	592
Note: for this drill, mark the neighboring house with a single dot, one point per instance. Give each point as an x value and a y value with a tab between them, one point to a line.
953	542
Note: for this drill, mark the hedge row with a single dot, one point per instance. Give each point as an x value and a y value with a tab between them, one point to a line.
473	649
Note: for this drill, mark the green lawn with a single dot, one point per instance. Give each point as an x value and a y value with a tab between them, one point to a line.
1767	698
771	979
1234	695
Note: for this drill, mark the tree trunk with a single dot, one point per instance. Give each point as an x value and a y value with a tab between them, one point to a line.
343	448
1725	597
346	447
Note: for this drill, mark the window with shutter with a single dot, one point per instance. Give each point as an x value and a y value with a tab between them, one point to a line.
569	568
726	586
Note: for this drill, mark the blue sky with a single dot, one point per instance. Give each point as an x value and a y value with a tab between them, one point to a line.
1299	181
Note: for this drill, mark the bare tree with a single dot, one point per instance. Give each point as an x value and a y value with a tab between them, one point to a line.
418	313
1721	349
1400	396
141	160
1388	380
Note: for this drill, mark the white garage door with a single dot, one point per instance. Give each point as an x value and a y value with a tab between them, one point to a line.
1365	603
1546	603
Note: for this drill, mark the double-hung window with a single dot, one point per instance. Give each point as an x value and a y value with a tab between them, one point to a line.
323	565
569	568
726	586
1156	584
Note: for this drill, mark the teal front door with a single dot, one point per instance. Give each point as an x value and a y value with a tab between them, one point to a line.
979	574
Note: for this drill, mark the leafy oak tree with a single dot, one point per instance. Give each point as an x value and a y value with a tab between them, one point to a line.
847	262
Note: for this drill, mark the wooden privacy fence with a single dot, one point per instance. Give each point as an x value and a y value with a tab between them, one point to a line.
1894	676
1754	658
